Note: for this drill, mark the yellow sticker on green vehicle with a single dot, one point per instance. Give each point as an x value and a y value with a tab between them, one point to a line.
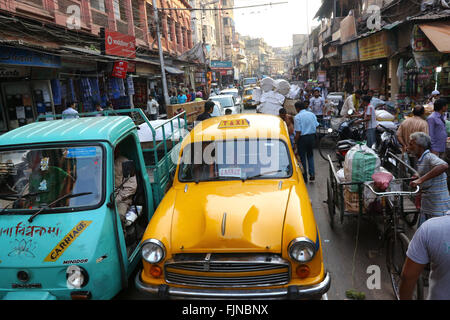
67	241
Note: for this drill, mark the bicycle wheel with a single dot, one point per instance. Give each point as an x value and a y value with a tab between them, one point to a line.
327	146
410	218
397	244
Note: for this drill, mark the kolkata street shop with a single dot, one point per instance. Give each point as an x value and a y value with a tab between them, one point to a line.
25	89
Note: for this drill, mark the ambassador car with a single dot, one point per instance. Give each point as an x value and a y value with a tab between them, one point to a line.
237	221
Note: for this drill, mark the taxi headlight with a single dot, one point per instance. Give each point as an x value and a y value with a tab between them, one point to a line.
153	251
302	250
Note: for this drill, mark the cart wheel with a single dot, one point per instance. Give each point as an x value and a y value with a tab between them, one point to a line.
397	244
330	203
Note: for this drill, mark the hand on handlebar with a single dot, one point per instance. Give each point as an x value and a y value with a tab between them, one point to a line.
416	182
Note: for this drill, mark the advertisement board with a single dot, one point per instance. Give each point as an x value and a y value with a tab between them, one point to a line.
118	44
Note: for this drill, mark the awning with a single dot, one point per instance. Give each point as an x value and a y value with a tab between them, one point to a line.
439	35
173	70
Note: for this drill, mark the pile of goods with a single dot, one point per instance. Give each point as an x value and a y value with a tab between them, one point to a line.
274	95
362	164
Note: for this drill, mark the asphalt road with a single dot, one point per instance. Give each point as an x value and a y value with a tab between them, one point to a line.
346	258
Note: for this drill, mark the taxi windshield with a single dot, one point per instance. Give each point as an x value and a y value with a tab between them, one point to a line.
37	178
235	160
248	92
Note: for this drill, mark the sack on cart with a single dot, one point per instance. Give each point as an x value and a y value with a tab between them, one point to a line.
361	162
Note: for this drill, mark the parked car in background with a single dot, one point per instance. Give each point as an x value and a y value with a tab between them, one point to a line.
228	102
234	92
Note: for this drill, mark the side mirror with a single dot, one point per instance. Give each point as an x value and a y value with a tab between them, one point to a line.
128	169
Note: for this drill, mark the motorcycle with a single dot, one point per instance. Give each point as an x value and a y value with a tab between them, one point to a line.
388	143
338	142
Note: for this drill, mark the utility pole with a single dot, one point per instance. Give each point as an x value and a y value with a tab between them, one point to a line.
161	55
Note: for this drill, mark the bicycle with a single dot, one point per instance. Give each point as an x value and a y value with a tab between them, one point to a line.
395	239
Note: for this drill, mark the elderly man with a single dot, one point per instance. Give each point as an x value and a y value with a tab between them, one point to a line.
436	125
432	178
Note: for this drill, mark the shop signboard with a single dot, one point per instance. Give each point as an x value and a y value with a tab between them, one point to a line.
321	76
14	72
120	69
350	52
376	46
216	64
118	44
24	57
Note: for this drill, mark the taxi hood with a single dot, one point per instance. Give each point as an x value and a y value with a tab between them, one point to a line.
237	216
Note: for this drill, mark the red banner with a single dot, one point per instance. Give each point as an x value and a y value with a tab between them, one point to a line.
120	69
119	44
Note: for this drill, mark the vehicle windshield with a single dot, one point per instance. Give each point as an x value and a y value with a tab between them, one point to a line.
250	81
36	178
224	101
235	160
248	92
233	93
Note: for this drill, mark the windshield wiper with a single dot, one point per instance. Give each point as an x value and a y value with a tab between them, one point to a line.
262	175
66	196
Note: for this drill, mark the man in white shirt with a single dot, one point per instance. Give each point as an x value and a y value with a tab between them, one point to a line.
152	107
371	120
352	103
317	105
70	112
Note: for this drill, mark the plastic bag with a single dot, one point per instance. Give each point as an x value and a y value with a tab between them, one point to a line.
381	180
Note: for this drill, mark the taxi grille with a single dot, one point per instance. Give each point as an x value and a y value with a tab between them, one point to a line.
225	270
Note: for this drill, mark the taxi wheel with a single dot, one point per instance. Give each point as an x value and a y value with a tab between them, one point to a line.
330	203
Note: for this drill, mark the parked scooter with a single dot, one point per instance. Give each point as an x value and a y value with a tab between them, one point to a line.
338	142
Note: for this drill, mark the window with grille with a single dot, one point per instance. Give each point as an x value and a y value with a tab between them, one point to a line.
98	5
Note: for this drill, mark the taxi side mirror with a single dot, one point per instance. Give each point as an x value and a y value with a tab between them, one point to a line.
128	169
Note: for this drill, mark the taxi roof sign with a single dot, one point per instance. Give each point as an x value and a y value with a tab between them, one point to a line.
237	123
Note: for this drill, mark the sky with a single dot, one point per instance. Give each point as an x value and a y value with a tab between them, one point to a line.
277	23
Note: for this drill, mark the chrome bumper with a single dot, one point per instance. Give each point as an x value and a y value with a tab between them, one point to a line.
291	292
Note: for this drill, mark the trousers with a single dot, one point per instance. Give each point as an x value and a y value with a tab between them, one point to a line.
305	147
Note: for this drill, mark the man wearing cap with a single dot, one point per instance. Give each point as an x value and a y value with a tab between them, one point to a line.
435	95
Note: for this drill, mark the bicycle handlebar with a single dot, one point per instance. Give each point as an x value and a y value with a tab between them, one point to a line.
391	193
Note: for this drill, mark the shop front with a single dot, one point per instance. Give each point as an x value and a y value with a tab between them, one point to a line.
374	52
25	85
437	56
348	79
222	73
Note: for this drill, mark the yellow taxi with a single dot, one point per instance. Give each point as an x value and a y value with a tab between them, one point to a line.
237	221
247	97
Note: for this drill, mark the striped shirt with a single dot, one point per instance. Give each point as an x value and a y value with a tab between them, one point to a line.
411	125
435	196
